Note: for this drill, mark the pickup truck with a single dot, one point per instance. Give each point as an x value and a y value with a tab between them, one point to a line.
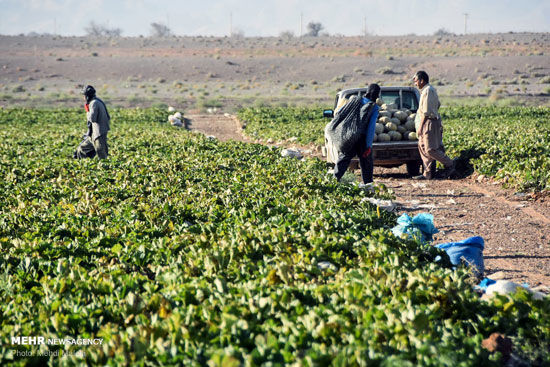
394	153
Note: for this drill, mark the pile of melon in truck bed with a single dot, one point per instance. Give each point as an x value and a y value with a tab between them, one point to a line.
394	124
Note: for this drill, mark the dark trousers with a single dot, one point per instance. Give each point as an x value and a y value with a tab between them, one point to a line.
89	148
366	164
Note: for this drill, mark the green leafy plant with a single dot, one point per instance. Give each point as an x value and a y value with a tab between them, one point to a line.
510	144
182	250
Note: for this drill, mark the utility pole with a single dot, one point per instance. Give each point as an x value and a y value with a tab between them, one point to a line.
465	23
301	23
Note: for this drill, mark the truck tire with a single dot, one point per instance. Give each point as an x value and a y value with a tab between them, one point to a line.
413	168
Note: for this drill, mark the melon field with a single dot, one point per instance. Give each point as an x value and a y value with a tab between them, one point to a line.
511	144
184	250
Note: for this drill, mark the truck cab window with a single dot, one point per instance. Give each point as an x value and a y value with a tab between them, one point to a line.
409	100
390	97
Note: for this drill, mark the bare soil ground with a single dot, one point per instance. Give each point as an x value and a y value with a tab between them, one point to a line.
515	227
222	72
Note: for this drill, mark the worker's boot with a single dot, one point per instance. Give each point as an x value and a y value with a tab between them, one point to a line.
449	172
429	173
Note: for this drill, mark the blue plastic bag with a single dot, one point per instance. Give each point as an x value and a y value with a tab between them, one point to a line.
469	251
421	227
484	284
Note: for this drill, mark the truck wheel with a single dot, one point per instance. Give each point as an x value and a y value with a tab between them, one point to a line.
413	168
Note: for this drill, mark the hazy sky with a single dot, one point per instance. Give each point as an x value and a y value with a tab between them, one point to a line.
271	17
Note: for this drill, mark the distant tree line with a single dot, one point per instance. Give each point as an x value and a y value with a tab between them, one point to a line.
99	30
160	30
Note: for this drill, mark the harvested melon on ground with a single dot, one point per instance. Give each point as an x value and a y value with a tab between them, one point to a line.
412	136
383	137
379	128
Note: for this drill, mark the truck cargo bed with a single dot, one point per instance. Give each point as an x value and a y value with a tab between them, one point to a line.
395	153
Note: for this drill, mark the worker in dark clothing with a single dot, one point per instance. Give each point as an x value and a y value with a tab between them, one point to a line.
95	140
363	146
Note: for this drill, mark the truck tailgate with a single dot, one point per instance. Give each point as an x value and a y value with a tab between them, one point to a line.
397	152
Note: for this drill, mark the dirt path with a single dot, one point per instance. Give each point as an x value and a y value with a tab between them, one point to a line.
515	227
224	127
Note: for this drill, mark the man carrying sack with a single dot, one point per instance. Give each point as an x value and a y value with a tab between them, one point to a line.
352	133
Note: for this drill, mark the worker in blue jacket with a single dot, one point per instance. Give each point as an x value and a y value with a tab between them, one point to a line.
363	146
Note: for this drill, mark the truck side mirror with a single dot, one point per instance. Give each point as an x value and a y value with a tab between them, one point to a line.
328	113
